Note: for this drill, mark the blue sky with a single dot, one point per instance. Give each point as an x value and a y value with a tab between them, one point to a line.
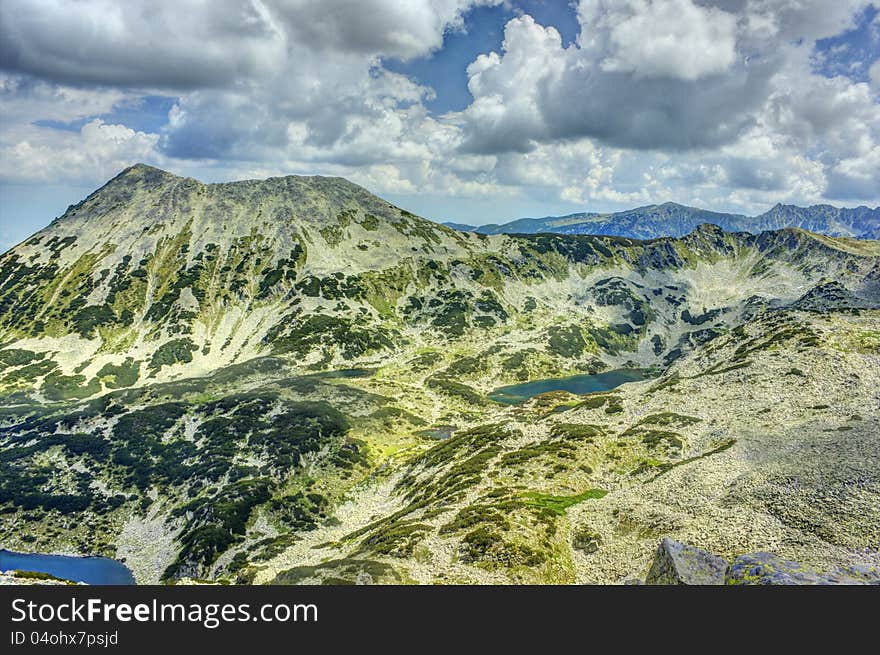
465	110
445	70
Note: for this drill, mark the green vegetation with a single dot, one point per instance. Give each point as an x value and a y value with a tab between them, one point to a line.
576	431
38	575
64	387
118	376
351	336
559	449
586	540
558	504
346	571
656	438
176	351
424	361
18	357
665	467
216	522
451	388
86	320
453	309
466	366
566	341
669	418
396	537
344	346
518	363
595	401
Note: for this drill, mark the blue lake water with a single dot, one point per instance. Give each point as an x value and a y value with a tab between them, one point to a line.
91	570
576	384
439	432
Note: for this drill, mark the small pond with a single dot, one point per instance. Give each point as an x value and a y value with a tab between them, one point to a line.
576	384
439	432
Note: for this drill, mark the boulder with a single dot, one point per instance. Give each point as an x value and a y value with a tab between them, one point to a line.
679	564
864	573
769	569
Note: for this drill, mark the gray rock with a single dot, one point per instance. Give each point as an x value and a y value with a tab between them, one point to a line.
586	541
864	573
769	569
675	563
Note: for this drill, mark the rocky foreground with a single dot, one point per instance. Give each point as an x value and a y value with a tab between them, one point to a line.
678	564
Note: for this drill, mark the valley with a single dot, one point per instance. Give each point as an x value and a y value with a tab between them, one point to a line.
291	380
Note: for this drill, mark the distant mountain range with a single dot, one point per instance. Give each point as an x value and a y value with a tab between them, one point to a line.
674	220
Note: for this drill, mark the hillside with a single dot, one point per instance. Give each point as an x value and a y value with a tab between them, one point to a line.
671	219
258	380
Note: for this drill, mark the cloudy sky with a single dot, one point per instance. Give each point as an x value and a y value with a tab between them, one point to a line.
468	110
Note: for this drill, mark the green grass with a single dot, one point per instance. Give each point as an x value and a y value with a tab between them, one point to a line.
38	575
558	504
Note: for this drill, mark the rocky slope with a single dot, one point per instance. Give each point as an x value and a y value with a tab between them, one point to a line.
671	219
245	381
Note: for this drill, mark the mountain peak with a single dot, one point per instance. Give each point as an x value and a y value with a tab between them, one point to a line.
140	168
143	173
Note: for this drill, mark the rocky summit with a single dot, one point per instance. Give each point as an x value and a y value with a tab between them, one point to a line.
293	381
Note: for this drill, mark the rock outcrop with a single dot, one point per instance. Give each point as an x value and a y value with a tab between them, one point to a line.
769	569
676	563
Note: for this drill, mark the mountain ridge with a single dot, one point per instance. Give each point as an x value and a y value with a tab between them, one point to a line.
178	274
673	219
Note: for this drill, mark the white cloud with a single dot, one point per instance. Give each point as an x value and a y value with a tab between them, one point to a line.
97	151
390	27
743	121
874	74
506	113
856	178
189	44
697	101
535	90
658	38
181	44
23	100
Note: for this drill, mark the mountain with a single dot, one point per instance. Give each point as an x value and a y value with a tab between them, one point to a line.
291	380
671	219
859	222
525	225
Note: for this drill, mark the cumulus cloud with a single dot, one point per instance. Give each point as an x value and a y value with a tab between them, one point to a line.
24	99
395	29
256	79
712	102
726	90
658	38
97	150
190	44
185	44
644	74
